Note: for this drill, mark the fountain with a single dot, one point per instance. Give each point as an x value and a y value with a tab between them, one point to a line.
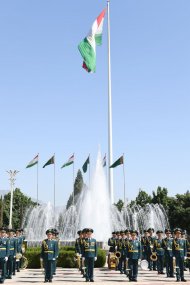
93	209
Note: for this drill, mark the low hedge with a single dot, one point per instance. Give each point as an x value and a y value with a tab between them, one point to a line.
66	257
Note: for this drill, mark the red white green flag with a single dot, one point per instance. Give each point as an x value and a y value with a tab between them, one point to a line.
33	162
87	47
69	162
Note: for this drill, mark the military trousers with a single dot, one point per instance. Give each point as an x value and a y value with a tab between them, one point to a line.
179	267
122	263
48	266
3	266
133	268
10	265
89	262
169	265
160	263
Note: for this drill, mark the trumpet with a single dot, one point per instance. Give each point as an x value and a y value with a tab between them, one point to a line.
153	256
118	254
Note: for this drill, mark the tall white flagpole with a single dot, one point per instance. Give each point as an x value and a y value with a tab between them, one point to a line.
54	185
37	180
110	153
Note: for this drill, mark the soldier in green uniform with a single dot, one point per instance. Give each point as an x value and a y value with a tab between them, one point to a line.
112	242
179	254
167	245
121	247
48	254
151	239
20	240
145	245
78	250
12	253
89	255
55	234
134	254
4	253
159	250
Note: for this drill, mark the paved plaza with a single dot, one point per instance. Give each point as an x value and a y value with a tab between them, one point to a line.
103	275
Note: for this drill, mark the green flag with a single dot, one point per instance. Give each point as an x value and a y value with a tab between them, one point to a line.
85	165
50	161
117	162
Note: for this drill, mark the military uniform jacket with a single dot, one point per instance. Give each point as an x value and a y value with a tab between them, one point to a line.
90	248
19	243
4	247
151	243
167	245
121	246
158	247
134	249
112	244
78	245
179	248
145	244
12	246
48	249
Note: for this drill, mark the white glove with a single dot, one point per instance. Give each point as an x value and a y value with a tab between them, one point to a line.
173	257
95	258
80	255
6	258
139	259
185	257
127	258
83	258
53	258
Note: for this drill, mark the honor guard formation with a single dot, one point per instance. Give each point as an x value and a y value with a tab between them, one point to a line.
12	248
169	250
166	253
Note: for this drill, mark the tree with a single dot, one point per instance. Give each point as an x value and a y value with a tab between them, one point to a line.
179	211
119	204
20	204
78	186
143	198
160	197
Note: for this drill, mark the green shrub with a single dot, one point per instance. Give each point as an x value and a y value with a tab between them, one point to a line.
101	258
65	259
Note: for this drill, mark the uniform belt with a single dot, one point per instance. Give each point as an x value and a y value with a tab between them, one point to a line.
133	251
12	248
2	248
89	250
160	248
49	251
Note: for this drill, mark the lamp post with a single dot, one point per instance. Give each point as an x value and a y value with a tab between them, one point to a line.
12	174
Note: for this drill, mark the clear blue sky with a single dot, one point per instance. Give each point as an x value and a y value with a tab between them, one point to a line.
50	104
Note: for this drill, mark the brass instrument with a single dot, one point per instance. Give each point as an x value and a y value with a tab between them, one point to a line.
24	246
112	260
77	259
153	256
24	262
18	256
118	254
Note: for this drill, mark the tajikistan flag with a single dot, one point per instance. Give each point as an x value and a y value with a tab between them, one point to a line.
87	47
33	162
69	162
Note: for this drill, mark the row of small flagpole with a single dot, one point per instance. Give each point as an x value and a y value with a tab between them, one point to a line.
35	161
